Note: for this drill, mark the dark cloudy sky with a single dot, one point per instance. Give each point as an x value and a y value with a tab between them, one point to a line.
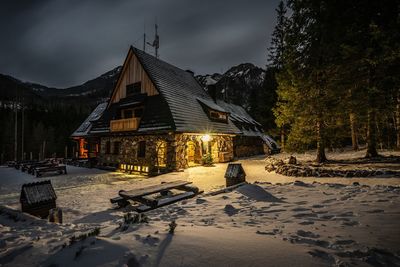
66	42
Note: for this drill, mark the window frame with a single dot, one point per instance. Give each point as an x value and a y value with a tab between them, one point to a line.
141	149
218	116
116	147
108	147
135	88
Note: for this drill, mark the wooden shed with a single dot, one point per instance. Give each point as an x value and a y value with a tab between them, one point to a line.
38	198
234	174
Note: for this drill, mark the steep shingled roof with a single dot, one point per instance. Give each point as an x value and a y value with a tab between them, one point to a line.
182	93
178	107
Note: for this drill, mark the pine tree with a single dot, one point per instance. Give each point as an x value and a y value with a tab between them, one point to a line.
368	49
276	62
307	99
277	46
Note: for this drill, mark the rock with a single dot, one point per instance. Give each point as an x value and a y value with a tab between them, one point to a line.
299	183
356	184
200	201
3	243
292	160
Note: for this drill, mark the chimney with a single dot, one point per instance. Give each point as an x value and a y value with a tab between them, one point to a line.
212	91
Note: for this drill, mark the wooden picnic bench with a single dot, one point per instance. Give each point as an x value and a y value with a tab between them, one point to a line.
18	164
27	166
143	195
32	167
57	168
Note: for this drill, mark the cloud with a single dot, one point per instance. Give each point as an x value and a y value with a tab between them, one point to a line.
64	43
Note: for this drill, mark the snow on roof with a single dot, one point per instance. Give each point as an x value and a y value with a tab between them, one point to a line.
210	104
34	193
85	127
237	113
271	143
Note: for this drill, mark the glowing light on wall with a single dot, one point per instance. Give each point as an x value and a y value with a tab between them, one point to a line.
206	138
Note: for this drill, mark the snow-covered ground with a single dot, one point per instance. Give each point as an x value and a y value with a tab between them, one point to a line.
272	221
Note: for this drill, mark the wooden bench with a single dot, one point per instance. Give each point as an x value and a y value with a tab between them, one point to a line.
144	195
120	201
41	164
166	201
18	164
58	168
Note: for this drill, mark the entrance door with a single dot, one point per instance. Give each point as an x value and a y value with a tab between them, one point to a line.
191	151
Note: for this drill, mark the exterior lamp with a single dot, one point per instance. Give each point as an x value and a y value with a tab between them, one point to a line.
206	138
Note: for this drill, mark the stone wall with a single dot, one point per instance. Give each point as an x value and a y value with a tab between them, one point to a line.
176	150
128	151
245	146
218	143
292	168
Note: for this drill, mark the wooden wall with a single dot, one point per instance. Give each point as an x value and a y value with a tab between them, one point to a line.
133	72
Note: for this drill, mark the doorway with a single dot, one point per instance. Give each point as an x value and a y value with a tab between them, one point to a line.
192	153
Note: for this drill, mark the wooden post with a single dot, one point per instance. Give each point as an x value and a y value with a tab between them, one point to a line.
44	149
31	155
16	131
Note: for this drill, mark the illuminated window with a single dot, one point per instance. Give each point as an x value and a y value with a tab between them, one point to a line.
219	116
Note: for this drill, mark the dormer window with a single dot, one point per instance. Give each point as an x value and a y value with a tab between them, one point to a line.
133	89
136	112
128	113
213	111
218	116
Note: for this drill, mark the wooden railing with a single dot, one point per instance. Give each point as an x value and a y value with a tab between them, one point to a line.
124	125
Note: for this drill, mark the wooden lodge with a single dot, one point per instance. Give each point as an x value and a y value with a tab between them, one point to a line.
159	119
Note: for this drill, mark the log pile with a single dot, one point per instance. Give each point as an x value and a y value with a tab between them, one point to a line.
291	167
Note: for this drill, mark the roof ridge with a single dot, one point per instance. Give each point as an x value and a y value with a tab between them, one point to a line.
155	58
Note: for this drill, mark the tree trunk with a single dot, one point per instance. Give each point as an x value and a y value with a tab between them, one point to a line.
353	127
321	157
282	138
397	127
371	135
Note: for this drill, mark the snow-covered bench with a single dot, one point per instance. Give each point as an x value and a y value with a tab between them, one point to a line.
144	195
58	168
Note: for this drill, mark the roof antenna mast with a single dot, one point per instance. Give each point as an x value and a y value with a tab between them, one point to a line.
156	42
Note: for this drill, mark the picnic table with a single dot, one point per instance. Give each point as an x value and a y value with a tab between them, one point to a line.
143	195
18	164
34	166
56	168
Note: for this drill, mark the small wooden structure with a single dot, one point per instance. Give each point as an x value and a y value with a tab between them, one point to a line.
38	198
234	174
144	195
